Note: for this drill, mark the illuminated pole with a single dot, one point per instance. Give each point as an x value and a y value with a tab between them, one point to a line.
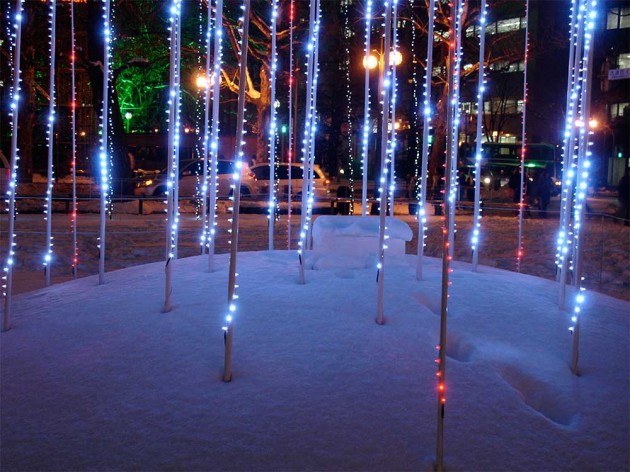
366	108
73	94
272	127
206	137
422	207
173	148
238	153
290	124
308	140
214	138
519	253
50	138
447	228
8	268
103	155
568	170
478	149
581	188
385	80
394	91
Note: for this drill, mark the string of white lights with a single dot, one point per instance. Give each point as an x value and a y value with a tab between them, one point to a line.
15	107
393	63
387	85
273	124
236	185
290	123
104	151
207	83
582	177
309	130
426	145
50	135
214	137
73	119
366	108
452	170
478	146
521	203
447	228
347	33
173	149
569	158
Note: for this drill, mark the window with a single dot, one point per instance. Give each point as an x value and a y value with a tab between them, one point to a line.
618	17
623	61
507	66
617	109
511	24
508	106
469	108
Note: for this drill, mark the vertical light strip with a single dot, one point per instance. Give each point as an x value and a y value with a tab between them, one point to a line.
386	81
290	124
238	153
347	34
446	230
15	106
478	148
366	108
521	210
452	170
214	138
50	136
308	141
103	155
392	148
569	164
273	124
426	123
583	166
73	102
206	134
173	150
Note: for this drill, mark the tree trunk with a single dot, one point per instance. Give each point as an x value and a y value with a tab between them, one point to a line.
263	108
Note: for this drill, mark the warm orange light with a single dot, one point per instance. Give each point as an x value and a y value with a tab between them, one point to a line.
593	123
370	61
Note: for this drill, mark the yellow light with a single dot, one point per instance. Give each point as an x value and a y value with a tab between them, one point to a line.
201	82
395	58
397	125
593	123
371	62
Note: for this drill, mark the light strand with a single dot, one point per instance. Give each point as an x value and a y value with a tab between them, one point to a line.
273	125
366	108
290	123
203	243
73	101
15	106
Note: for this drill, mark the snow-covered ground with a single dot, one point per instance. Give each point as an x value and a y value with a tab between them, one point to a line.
133	239
95	377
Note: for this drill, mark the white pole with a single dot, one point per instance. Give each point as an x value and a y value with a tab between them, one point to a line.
272	127
392	159
51	136
385	87
519	253
75	249
479	149
206	138
214	145
311	155
103	156
173	144
308	140
8	268
238	153
366	108
426	113
446	258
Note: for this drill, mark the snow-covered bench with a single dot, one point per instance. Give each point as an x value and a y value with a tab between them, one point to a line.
352	241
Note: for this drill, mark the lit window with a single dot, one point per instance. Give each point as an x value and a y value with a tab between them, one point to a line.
623	61
511	24
617	109
618	17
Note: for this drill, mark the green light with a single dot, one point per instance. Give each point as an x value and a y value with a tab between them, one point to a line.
619	155
283	129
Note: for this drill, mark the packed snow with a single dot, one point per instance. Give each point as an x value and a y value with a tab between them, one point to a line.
96	377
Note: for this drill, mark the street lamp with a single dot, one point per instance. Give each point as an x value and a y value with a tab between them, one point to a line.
128	116
376	59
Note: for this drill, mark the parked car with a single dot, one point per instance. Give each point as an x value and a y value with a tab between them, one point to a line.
261	176
190	177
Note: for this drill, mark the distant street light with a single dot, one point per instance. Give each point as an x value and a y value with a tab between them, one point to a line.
376	58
